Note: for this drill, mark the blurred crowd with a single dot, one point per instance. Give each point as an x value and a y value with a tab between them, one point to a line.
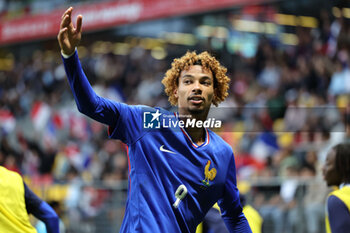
289	107
11	9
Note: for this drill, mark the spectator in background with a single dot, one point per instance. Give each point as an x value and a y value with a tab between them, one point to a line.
313	200
17	201
336	172
288	194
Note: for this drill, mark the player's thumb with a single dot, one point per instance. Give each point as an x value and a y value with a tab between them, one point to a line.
62	34
64	42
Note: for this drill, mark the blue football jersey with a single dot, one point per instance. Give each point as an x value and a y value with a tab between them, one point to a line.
164	159
172	181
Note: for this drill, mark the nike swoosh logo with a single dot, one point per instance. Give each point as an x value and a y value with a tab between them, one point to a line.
165	150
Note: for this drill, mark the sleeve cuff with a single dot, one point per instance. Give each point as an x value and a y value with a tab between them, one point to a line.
65	56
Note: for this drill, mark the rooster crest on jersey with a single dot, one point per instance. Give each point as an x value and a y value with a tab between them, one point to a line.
209	174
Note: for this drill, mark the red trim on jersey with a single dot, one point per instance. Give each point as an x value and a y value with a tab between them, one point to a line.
109	131
190	139
208	137
127	153
129	168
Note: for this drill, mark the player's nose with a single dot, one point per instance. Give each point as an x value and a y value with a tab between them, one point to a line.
196	88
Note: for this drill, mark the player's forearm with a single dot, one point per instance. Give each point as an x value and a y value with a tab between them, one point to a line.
49	217
237	224
84	95
88	102
41	210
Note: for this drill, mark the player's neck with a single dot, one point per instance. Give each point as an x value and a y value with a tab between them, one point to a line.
197	134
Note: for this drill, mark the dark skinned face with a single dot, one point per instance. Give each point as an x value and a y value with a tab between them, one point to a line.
195	92
330	174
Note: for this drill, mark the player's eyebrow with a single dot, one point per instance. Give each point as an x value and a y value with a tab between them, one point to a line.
191	76
187	76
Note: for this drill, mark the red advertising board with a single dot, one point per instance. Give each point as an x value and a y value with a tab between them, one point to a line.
107	14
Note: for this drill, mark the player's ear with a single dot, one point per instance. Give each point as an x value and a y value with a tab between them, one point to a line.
213	101
176	93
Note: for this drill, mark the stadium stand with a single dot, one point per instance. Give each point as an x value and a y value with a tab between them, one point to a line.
289	99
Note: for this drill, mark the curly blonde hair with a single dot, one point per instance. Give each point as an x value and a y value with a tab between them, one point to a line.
208	62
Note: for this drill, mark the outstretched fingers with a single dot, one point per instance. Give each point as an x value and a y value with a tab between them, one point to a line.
65	21
79	23
69	36
67	12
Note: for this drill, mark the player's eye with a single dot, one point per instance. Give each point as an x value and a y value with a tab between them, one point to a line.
187	81
206	82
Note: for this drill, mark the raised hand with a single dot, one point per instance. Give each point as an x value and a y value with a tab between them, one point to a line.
68	36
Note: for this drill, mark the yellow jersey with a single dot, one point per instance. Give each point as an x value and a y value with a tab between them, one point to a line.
344	195
13	214
252	215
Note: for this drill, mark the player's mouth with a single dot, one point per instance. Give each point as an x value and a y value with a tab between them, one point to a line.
196	100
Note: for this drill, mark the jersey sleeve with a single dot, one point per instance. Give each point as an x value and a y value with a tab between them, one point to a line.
230	206
41	210
123	120
338	214
129	125
32	201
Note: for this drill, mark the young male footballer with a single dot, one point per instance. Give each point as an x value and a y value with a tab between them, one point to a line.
177	172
